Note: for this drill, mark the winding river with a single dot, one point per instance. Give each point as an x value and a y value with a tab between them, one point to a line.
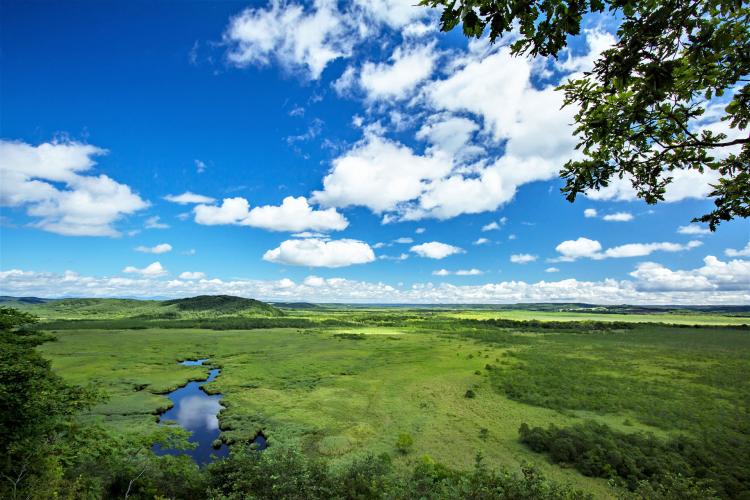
197	412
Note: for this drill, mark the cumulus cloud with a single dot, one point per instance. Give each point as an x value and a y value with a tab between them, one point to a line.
743	252
590	213
522	258
694	229
571	250
717	283
192	275
397	79
403	240
315	252
154	269
294	214
379	174
188	198
481	241
435	250
295	37
49	181
552	270
714	275
160	248
618	217
450	135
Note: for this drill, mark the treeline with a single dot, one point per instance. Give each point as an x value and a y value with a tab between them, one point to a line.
642	462
219	323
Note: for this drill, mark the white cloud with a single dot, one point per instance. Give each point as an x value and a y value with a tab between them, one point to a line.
86	205
460	272
294	214
419	230
522	258
435	250
295	37
590	213
714	275
694	229
344	84
725	283
231	211
155	223
643	249
492	226
200	166
685	184
409	66
585	248
152	270
379	174
160	248
552	270
396	14
468	272
450	135
582	247
743	252
618	217
403	240
481	241
497	90
316	252
192	275
187	198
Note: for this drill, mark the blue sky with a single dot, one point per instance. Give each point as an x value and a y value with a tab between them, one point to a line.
361	153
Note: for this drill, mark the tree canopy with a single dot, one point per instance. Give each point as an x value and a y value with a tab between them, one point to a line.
677	65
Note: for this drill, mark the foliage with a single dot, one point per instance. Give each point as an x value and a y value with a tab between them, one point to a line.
676	64
404	443
644	463
223	304
36	410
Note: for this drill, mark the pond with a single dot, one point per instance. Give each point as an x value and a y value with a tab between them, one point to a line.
197	412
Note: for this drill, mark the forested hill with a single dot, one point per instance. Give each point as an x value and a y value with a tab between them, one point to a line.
202	306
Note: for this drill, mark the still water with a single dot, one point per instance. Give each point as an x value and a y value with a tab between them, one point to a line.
197	412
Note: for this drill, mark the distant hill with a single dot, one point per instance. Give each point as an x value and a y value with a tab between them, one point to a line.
203	306
223	304
7	300
296	305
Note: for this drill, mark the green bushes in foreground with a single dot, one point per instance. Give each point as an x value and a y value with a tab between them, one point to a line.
286	473
643	463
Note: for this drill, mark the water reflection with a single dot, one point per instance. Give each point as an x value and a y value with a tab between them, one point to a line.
197	412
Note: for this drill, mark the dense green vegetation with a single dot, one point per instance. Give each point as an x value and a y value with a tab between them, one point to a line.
354	401
635	458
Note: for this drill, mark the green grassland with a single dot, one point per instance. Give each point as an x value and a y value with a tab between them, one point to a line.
351	380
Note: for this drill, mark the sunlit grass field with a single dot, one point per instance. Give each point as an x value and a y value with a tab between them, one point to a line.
339	392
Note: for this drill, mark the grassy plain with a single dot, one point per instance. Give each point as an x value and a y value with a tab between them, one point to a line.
340	391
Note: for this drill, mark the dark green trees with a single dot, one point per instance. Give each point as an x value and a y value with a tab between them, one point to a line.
642	110
36	407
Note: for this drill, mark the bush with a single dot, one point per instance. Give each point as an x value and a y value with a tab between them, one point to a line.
470	394
404	443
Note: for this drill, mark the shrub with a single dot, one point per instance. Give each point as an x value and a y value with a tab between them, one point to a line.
404	443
